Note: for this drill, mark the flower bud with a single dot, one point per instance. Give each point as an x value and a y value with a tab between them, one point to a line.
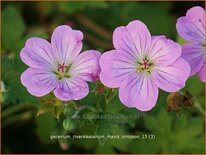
63	144
69	124
174	101
69	110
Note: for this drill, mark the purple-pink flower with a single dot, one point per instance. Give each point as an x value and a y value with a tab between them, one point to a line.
59	65
192	28
140	64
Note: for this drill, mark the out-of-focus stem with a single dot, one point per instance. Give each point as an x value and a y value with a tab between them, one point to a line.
97	42
84	107
201	110
19	117
13	109
109	99
80	108
93	26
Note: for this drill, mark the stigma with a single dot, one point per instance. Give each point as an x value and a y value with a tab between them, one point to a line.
62	71
61	67
144	66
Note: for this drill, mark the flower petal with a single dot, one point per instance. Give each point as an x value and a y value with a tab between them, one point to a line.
190	31
66	44
38	82
116	66
164	51
197	15
201	73
86	66
37	54
139	91
171	78
71	89
195	56
135	39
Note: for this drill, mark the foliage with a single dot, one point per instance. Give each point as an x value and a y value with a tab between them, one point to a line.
172	134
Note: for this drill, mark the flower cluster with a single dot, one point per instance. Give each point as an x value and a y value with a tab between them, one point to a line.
139	64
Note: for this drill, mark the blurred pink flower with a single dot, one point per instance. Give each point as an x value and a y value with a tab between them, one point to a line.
192	28
140	64
59	65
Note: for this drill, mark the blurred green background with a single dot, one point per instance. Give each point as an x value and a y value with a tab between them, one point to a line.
22	132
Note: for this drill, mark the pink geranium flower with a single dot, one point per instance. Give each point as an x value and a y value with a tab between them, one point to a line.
58	65
192	28
140	64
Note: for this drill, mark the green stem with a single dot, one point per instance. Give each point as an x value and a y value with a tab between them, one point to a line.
72	102
108	100
93	26
95	88
84	107
80	109
107	93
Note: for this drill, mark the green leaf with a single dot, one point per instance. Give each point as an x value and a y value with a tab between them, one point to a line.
114	105
4	93
190	130
163	118
130	116
6	67
143	146
87	128
17	92
103	128
195	82
46	125
174	134
69	110
12	28
120	144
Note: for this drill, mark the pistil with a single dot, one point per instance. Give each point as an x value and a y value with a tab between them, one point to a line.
62	71
144	66
61	67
